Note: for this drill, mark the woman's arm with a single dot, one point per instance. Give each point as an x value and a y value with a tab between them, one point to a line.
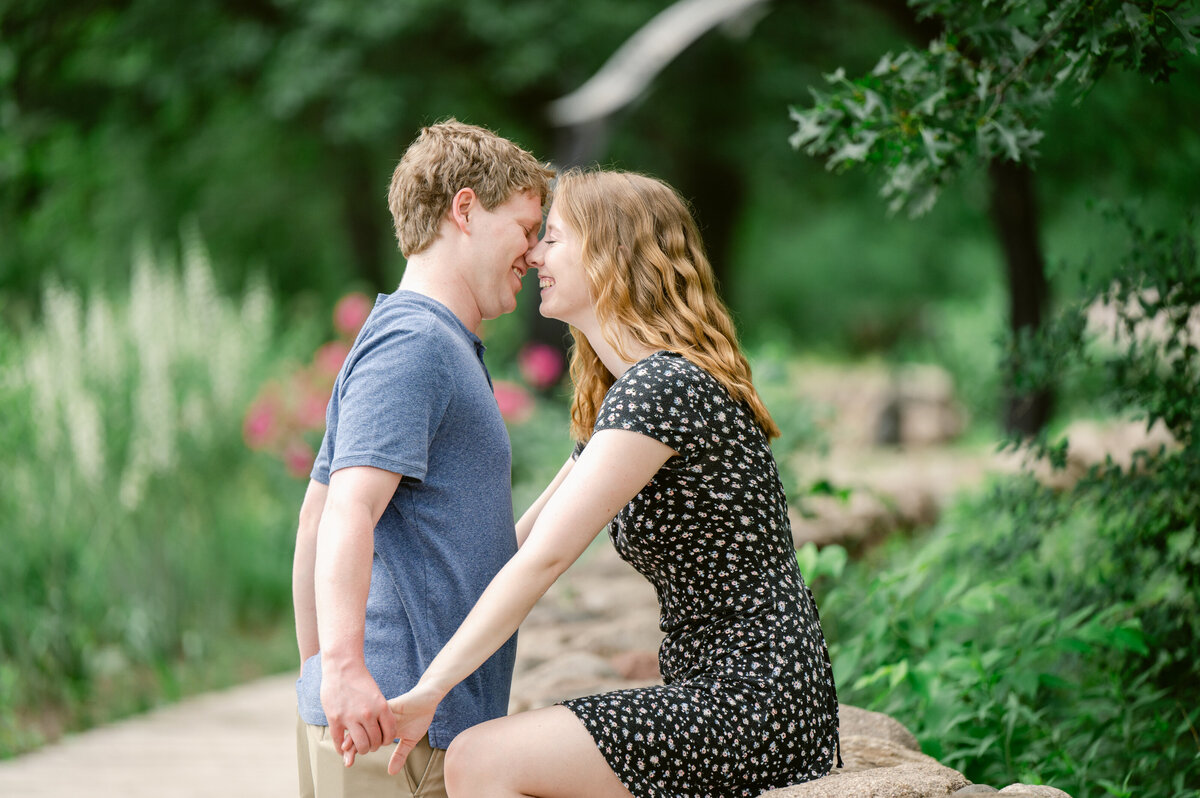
616	465
529	518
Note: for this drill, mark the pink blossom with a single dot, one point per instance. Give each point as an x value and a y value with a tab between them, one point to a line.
311	403
298	458
350	313
541	364
516	405
329	358
262	422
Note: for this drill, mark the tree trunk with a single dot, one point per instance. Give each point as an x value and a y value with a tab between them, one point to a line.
364	215
1015	217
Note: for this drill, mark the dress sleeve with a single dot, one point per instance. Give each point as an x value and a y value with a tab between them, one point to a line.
660	397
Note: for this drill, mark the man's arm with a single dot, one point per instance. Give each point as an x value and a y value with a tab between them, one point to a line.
304	600
352	701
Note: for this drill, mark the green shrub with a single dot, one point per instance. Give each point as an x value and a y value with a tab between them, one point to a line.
141	537
1052	636
1000	642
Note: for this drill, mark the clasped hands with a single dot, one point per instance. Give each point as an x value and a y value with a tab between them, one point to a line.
406	720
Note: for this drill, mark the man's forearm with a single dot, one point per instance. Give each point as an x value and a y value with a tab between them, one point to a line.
345	548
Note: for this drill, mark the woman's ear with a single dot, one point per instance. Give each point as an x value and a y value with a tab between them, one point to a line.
461	206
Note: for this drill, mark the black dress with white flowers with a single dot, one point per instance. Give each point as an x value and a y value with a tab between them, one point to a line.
748	701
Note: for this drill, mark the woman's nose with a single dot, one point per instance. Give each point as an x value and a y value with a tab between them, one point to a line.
534	256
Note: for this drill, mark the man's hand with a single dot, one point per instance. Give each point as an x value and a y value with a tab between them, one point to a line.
412	714
358	714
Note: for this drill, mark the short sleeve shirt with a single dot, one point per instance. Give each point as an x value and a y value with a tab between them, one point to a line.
415	398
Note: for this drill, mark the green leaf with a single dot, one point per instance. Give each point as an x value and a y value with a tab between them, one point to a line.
1185	27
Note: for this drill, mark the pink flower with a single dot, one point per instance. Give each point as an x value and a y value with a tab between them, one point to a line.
262	423
516	405
541	364
298	458
350	314
311	403
329	358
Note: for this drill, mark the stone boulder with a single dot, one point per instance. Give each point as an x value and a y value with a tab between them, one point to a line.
882	760
1032	791
909	780
856	722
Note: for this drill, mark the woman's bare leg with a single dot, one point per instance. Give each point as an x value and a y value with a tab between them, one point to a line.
546	753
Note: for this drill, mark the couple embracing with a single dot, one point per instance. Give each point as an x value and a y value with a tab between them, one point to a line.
409	582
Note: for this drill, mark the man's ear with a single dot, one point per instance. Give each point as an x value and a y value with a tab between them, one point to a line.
461	206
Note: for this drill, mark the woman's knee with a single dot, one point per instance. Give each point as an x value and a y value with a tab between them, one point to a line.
467	761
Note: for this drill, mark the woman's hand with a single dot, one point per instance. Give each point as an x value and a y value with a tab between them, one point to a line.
413	712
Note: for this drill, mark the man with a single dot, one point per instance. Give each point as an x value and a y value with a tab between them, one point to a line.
409	511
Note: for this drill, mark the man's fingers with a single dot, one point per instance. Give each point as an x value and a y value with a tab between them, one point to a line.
400	755
337	733
359	740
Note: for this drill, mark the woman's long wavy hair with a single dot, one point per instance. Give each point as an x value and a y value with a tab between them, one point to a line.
650	279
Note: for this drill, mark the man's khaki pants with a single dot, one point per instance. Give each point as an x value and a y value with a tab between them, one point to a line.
324	775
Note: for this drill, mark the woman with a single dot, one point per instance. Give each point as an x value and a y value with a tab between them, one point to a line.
673	442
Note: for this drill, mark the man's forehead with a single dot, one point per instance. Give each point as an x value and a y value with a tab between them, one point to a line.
527	205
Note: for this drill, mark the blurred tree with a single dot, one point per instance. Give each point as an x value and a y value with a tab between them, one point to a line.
978	93
273	124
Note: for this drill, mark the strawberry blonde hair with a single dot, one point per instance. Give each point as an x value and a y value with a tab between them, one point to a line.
648	276
450	156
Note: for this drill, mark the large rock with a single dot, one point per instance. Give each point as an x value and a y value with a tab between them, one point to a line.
637	632
910	780
1032	791
912	405
569	675
856	722
882	760
867	753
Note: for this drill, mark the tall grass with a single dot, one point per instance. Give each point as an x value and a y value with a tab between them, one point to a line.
140	535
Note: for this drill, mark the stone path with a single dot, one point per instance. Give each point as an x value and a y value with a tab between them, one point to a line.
231	743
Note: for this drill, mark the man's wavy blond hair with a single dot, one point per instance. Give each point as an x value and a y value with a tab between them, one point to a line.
450	156
649	277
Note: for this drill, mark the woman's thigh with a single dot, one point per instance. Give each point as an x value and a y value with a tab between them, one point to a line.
546	753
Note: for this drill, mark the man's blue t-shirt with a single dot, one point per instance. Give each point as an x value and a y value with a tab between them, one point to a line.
415	398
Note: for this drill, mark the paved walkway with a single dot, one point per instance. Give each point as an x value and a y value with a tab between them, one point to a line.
237	742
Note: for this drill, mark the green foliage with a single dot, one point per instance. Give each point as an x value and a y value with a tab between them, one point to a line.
141	538
980	90
540	446
1044	635
1016	652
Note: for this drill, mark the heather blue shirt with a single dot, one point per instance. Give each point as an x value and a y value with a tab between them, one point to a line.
415	398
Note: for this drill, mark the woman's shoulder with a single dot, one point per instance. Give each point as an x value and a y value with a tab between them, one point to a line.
664	365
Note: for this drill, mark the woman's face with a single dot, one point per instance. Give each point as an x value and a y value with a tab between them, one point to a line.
558	258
